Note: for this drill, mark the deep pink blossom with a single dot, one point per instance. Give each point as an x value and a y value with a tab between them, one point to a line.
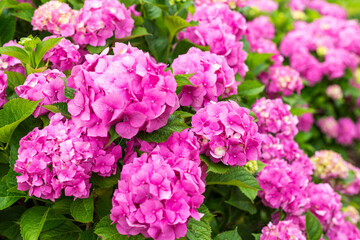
3	86
346	131
306	121
282	230
263	5
328	126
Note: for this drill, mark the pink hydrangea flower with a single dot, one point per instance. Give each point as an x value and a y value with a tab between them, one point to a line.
159	191
129	90
329	164
56	17
274	117
353	187
220	28
298	5
48	86
346	131
61	157
12	64
212	78
64	56
231	3
306	121
283	230
3	86
263	5
334	91
329	126
284	186
351	214
228	133
283	79
341	229
99	20
327	9
259	28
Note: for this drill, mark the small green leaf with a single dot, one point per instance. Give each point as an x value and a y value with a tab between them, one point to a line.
60	107
15	79
183	47
182	80
229	235
250	88
16	52
68	230
105	182
219	167
200	230
137	32
8	198
43	47
175	24
83	209
32	222
113	136
313	227
13	113
301	111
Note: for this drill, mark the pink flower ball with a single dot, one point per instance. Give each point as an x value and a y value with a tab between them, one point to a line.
329	126
228	133
274	117
99	19
48	86
220	28
3	86
329	165
283	79
284	186
61	157
283	230
64	56
346	131
341	229
263	5
334	91
56	17
231	3
328	9
129	90
258	28
12	64
212	78
306	121
353	187
159	191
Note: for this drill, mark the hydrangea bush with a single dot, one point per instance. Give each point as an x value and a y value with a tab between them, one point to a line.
191	120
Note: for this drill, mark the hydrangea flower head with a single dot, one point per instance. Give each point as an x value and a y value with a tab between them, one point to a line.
341	229
263	5
329	126
99	20
351	214
228	133
353	187
329	164
64	56
274	117
129	90
306	121
283	230
56	17
232	3
61	157
260	28
212	78
346	132
159	191
220	28
3	86
48	86
334	91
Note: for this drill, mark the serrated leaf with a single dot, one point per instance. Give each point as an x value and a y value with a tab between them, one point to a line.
240	201
8	198
175	24
16	52
62	206
215	167
229	235
43	47
53	220
105	182
25	14
15	79
9	219
32	222
108	231
313	227
200	230
13	113
250	88
68	230
183	114
152	11
69	93
82	210
174	124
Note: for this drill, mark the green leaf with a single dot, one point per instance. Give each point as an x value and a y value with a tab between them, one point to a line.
257	236
15	79
88	235
62	206
13	113
182	80
183	47
260	165
229	235
9	222
83	209
240	201
60	107
68	230
215	167
250	87
183	114
301	111
105	182
32	222
43	47
349	179
152	11
113	136
99	49
108	231
8	198
137	32
200	230
16	52
158	39
313	227
53	220
25	14
103	204
174	124
175	24
69	92
7	25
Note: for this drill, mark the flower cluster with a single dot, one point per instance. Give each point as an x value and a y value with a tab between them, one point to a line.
48	86
159	191
212	78
232	3
56	17
329	164
3	86
282	79
61	157
99	19
263	5
327	9
329	126
274	117
351	187
221	29
335	42
283	230
306	121
128	89
334	91
351	214
12	64
346	131
228	133
64	56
